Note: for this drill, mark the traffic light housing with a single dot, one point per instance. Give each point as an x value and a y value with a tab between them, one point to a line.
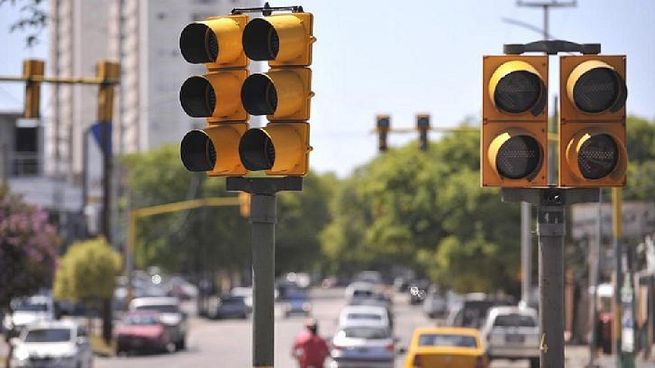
592	131
382	124
31	69
514	137
215	42
423	126
283	94
109	72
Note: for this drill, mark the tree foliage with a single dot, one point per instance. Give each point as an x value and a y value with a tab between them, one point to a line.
87	272
33	19
28	248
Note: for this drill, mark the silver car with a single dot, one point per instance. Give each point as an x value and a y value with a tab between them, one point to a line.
61	344
171	316
512	333
362	345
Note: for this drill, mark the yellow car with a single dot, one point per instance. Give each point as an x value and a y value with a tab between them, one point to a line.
451	347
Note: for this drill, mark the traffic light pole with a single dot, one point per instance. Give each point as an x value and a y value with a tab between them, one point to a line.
551	229
263	216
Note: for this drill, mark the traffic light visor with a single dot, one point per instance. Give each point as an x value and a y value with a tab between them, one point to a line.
260	40
256	150
597	156
516	156
197	97
258	95
516	87
198	44
595	87
197	151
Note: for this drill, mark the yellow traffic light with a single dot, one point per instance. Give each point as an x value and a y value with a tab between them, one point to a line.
514	139
283	93
109	72
592	122
33	68
383	124
215	42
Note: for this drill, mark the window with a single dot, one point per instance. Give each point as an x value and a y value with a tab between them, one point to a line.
461	341
359	316
515	320
365	333
49	335
160	308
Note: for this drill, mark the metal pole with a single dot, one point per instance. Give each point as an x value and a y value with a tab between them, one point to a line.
595	266
85	180
551	230
618	275
526	254
546	8
106	180
263	216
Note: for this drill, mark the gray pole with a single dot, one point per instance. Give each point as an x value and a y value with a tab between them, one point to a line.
595	266
263	216
526	255
551	230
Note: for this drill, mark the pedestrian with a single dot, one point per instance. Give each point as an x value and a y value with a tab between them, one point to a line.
309	348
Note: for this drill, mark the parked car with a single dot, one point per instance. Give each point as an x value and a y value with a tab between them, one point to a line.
29	310
452	347
170	315
246	293
61	344
512	333
143	331
435	305
357	314
230	306
363	344
297	303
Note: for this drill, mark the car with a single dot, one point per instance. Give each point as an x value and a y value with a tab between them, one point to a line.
170	315
452	347
373	277
472	311
29	310
435	305
418	290
245	292
512	333
356	314
360	289
143	331
61	344
297	303
363	344
229	306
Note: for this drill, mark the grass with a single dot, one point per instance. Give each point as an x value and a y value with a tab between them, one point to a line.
99	346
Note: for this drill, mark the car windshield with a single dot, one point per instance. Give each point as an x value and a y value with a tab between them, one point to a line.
140	320
462	341
31	307
49	335
365	333
515	320
233	300
165	308
359	316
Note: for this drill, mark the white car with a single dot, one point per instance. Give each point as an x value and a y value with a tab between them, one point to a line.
512	333
170	315
357	314
360	289
61	344
363	344
29	310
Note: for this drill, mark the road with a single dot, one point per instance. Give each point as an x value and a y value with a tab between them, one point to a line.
227	343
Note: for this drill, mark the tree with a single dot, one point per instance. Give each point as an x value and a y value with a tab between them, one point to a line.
33	18
28	250
87	273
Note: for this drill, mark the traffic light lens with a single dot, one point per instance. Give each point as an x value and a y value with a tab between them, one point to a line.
258	95
598	156
197	97
197	151
198	44
518	92
260	40
518	157
597	90
256	150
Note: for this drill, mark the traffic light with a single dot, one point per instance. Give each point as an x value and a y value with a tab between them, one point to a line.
514	137
32	68
109	72
383	124
423	125
283	93
592	122
215	42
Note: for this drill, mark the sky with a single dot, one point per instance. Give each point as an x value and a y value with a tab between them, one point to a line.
407	57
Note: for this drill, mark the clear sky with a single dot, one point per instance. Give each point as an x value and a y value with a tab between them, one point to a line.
408	57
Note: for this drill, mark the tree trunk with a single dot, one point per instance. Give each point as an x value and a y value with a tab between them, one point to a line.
106	320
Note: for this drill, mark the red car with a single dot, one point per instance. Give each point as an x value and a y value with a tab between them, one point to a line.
143	331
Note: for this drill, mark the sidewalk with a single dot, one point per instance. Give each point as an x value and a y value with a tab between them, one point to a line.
577	356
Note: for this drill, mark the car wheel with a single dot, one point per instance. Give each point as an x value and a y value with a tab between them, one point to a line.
534	362
181	345
170	347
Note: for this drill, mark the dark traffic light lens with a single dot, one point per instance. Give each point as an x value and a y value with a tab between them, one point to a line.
260	40
519	157
597	90
258	95
256	150
598	156
518	92
197	97
198	44
197	151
